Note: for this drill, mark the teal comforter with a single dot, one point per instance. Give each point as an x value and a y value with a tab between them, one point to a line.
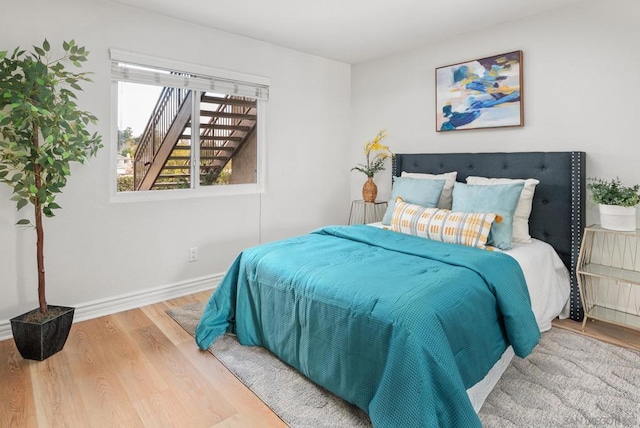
398	325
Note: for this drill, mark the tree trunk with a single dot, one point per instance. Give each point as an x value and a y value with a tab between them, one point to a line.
42	299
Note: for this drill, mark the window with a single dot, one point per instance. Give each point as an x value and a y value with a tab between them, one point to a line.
184	126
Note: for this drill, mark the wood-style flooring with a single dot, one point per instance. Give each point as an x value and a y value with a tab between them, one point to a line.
132	369
611	333
140	369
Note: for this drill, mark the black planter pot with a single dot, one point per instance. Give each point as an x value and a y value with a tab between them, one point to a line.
39	341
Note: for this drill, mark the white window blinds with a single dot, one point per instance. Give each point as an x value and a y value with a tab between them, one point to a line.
138	68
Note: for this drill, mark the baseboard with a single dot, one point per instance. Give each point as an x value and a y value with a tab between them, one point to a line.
124	302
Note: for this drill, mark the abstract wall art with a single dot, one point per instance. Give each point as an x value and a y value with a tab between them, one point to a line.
483	93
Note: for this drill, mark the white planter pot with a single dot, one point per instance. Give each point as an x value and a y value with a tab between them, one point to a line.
615	217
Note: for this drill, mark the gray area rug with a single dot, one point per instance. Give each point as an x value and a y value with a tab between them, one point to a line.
568	381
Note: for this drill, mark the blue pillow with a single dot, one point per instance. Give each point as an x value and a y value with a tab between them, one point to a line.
501	199
417	191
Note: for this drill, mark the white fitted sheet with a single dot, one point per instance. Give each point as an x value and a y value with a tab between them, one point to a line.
547	279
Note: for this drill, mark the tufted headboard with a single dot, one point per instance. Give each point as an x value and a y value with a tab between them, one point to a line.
558	212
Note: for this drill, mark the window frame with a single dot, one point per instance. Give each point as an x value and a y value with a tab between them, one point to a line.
196	191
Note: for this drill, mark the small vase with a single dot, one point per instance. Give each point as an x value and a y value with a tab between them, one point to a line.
369	190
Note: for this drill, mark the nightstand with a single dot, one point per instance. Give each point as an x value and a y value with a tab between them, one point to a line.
367	212
609	276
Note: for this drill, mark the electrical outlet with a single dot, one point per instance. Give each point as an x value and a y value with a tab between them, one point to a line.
193	254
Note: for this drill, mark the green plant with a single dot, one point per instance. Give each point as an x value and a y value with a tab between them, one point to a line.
612	192
42	132
125	183
376	163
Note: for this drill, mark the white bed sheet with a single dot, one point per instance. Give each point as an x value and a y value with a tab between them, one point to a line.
547	279
549	287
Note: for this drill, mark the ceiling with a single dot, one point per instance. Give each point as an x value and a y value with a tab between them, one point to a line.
350	31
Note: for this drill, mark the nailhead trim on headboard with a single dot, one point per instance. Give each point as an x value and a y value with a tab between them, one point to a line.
394	172
577	228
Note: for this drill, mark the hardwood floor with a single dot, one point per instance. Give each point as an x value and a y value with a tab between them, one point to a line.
132	369
611	333
140	369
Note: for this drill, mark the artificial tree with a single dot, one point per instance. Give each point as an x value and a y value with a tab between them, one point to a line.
42	131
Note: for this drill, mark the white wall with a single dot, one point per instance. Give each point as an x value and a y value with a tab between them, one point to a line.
97	250
580	91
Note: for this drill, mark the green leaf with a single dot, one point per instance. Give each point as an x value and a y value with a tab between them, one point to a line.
42	195
22	203
46	45
23	222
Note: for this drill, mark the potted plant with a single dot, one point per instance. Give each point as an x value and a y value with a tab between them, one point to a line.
374	163
42	131
616	202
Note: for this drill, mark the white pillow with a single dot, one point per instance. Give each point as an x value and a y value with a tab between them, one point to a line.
523	209
446	197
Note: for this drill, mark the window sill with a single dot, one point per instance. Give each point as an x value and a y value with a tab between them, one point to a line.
178	194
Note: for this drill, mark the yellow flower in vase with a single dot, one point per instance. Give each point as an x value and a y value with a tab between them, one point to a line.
375	154
374	161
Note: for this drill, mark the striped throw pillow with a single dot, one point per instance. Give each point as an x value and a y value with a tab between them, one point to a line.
471	229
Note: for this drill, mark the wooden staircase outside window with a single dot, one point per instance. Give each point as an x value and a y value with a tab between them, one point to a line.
163	158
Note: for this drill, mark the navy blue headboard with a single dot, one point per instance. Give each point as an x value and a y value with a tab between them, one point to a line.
558	213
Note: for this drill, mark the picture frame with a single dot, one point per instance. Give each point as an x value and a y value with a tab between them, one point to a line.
481	93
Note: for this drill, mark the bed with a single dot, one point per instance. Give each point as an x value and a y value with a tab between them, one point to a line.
403	327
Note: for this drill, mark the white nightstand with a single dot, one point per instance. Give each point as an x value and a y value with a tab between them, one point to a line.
609	276
367	212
